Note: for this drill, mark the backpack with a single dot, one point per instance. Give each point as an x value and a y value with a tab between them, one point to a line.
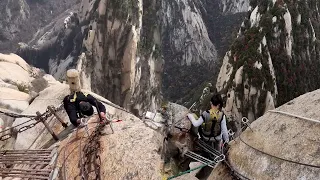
212	127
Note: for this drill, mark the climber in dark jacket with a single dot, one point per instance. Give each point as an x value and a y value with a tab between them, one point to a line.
78	104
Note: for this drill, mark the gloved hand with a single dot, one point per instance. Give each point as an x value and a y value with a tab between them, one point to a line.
81	123
194	119
103	115
225	147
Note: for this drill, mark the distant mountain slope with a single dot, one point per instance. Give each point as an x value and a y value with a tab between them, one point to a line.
274	59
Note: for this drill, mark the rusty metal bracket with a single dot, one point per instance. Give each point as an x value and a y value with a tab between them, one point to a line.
41	119
53	111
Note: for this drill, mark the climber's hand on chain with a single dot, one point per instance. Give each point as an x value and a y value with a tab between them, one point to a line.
103	115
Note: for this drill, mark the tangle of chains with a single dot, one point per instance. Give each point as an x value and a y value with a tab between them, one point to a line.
91	161
14	115
13	131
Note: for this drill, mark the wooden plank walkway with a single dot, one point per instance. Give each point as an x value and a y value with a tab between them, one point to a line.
29	164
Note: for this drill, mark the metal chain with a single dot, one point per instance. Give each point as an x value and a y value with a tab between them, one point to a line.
91	157
12	131
14	115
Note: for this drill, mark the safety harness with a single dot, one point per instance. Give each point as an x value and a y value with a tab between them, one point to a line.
75	96
212	127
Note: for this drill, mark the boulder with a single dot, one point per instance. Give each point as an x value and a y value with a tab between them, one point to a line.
43	82
283	136
13	100
20	76
51	96
15	59
7	85
132	152
176	140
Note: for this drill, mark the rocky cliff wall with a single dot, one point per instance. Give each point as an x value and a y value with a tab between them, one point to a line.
190	56
20	20
115	45
273	58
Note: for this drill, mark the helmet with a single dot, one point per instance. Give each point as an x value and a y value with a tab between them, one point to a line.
86	108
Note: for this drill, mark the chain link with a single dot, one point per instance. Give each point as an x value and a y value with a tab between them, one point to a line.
5	137
91	155
24	128
14	115
14	130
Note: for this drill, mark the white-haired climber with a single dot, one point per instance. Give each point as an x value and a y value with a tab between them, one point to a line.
77	104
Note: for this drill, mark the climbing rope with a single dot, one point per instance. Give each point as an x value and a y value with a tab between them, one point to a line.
115	106
296	116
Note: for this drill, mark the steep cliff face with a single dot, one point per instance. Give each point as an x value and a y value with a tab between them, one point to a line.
195	34
189	54
21	19
267	65
123	44
234	6
222	21
122	53
115	45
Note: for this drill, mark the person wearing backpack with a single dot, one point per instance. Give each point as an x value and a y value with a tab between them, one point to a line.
79	104
212	124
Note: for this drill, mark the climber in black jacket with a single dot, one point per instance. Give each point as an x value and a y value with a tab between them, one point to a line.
77	103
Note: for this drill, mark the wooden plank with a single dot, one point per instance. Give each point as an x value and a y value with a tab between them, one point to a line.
29	156
27	173
14	160
24	176
37	170
32	163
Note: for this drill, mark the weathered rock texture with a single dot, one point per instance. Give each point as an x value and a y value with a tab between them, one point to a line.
15	82
20	20
115	45
234	6
190	56
130	153
221	22
38	135
127	44
133	151
282	136
17	90
276	42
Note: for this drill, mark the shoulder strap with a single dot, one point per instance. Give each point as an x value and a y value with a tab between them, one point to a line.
213	114
216	121
85	94
74	97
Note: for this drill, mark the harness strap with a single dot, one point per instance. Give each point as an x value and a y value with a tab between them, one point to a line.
213	115
75	96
